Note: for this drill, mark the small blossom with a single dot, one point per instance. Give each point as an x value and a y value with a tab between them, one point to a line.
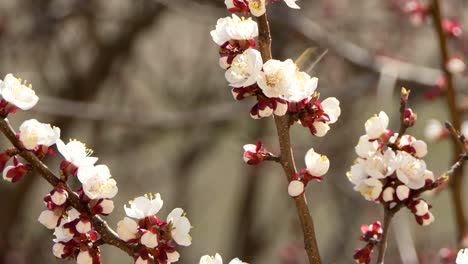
173	256
402	192
211	260
16	172
255	154
62	234
83	226
434	130
58	250
277	77
292	4
17	93
357	174
127	229
413	146
144	206
331	106
370	188
377	125
103	206
366	148
76	153
317	165
381	165
410	170
149	239
456	65
295	188
84	258
234	28
97	182
387	194
180	227
419	207
244	68
257	7
59	196
303	86
425	220
34	133
462	256
50	218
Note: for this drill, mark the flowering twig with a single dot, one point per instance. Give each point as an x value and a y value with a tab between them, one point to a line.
286	158
457	179
108	235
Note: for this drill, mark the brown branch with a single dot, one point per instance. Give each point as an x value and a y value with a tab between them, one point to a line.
107	234
457	178
287	160
388	216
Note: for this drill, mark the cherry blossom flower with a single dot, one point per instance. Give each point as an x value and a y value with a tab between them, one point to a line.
410	170
365	147
127	229
295	188
234	28
76	153
376	125
217	259
16	172
59	196
370	188
292	4
102	206
402	192
381	165
255	154
17	93
58	250
388	194
257	7
50	218
180	227
462	256
413	146
144	206
357	174
84	257
97	182
33	133
172	257
455	65
244	68
149	239
434	130
303	87
317	164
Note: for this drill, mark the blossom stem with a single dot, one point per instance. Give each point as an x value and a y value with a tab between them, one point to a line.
388	216
108	235
457	178
286	158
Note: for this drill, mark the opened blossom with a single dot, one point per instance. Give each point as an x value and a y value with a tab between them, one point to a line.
217	259
34	133
381	165
462	256
277	77
317	164
127	229
144	206
97	182
377	125
17	93
410	170
76	153
244	69
370	189
234	28
180	227
365	147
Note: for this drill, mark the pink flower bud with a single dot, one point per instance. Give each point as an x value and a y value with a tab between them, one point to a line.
452	28
419	207
58	250
102	206
402	192
16	172
84	257
363	255
295	188
59	196
387	194
426	219
50	219
255	154
409	117
83	226
149	239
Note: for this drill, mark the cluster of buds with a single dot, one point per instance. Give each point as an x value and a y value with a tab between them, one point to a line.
157	239
371	234
256	154
390	169
317	165
279	86
217	259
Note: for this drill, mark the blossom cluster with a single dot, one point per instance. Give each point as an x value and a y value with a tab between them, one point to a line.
279	87
76	236
371	234
217	259
390	169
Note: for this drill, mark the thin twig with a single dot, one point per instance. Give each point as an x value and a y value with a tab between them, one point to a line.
457	178
287	160
107	234
388	216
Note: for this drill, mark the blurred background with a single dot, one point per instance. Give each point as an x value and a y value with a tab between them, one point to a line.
139	82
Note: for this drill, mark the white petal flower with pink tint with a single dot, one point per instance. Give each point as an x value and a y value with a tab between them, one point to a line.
295	188
419	146
462	256
63	234
257	7
321	128
381	165
245	68
434	130
456	65
211	260
97	182
387	194
144	206
402	192
34	133
370	188
149	239
366	148
429	220
331	106
84	258
277	77
357	174
172	257
180	227
17	93
317	165
49	218
376	125
76	153
292	4
410	170
303	86
58	250
127	229
234	28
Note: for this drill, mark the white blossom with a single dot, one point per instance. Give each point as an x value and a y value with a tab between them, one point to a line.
357	174
321	128
180	227
17	93
83	226
127	229
97	182
303	86
76	153
462	256
410	170
277	77
381	165
366	148
421	208
433	130
419	146
331	106
84	258
149	239
428	221
59	197
218	260
456	65
58	250
144	206
402	192
33	133
245	68
370	189
292	4
234	28
257	7
49	218
376	125
317	165
62	234
172	257
295	188
387	194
